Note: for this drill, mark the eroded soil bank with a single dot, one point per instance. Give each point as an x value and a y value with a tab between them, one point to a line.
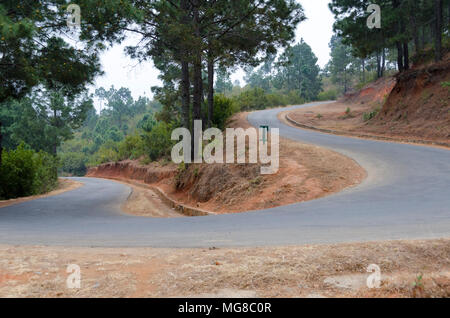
412	107
306	172
407	268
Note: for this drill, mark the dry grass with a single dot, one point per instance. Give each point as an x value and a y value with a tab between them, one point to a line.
303	271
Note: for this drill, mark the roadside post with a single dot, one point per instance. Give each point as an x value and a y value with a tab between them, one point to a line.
265	130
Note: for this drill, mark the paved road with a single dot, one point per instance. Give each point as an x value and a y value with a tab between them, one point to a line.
406	196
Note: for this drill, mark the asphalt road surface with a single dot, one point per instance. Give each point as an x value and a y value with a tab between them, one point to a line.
406	196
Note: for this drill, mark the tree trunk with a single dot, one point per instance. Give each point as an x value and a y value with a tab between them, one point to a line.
1	145
398	44
198	93
210	91
197	68
415	31
185	94
378	65
424	41
185	81
55	145
363	62
448	14
438	29
383	62
345	81
399	56
406	56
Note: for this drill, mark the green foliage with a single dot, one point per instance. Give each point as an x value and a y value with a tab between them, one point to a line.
158	143
327	95
445	84
100	139
252	99
46	176
224	108
74	163
298	70
132	147
257	98
43	120
24	172
370	115
223	82
147	123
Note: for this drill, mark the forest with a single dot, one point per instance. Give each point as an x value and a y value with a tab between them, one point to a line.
49	125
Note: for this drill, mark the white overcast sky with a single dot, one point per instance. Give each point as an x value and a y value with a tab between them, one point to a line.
122	71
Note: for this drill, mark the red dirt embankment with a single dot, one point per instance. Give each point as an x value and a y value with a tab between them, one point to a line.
306	172
413	106
131	169
418	105
373	93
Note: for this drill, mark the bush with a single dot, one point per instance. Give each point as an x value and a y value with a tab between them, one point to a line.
24	172
294	98
46	176
74	163
132	147
257	98
252	99
327	95
370	115
158	143
224	108
108	152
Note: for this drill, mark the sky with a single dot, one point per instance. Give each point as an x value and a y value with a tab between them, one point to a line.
121	71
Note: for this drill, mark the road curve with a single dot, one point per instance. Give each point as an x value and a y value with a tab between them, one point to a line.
406	196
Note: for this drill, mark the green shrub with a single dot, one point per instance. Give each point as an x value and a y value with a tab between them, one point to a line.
294	98
224	108
257	98
252	99
370	115
327	95
108	152
132	147
74	163
158	143
275	100
24	172
46	176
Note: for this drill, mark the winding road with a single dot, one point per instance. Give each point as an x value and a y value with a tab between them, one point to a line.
406	196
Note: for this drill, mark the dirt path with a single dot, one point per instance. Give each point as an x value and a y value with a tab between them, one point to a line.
64	185
408	269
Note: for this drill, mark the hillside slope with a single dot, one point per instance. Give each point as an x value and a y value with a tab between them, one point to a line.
418	105
413	106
